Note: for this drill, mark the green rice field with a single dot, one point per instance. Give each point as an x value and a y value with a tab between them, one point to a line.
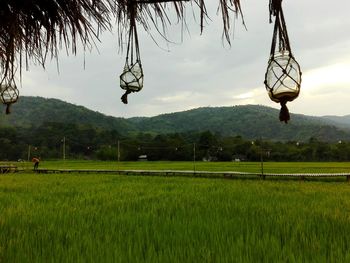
116	218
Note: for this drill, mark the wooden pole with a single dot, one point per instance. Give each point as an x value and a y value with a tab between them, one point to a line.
64	148
118	153
262	159
194	157
28	153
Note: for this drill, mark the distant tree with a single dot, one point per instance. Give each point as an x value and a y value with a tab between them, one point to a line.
207	145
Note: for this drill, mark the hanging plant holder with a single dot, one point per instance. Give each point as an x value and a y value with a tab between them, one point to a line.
283	74
131	80
9	94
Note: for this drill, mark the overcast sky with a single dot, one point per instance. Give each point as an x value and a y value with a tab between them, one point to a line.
203	71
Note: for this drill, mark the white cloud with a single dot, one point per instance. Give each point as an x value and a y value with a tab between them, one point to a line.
244	96
327	79
179	97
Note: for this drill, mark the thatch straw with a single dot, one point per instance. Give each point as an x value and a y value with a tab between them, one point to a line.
32	30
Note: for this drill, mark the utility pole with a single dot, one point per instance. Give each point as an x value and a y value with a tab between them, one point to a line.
194	157
64	148
118	153
28	152
261	159
262	162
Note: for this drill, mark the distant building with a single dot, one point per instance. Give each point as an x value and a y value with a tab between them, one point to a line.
238	157
210	159
142	157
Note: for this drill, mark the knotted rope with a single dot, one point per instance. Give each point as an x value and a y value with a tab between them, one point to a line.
133	66
284	112
280	40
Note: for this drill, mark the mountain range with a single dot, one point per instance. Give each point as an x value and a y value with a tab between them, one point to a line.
248	121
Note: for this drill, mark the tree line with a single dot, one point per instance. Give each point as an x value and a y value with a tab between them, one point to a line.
75	141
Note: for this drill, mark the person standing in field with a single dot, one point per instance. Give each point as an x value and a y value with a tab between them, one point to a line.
36	162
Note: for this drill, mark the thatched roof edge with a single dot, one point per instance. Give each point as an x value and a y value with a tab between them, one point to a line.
33	30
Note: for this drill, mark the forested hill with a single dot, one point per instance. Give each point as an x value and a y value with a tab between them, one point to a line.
250	121
34	111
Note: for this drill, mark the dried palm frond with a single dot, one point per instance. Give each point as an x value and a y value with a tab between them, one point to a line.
32	30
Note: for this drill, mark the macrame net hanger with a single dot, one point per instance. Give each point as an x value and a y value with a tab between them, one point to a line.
283	75
131	80
9	93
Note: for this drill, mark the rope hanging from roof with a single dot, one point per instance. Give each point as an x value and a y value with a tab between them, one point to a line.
131	80
283	74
